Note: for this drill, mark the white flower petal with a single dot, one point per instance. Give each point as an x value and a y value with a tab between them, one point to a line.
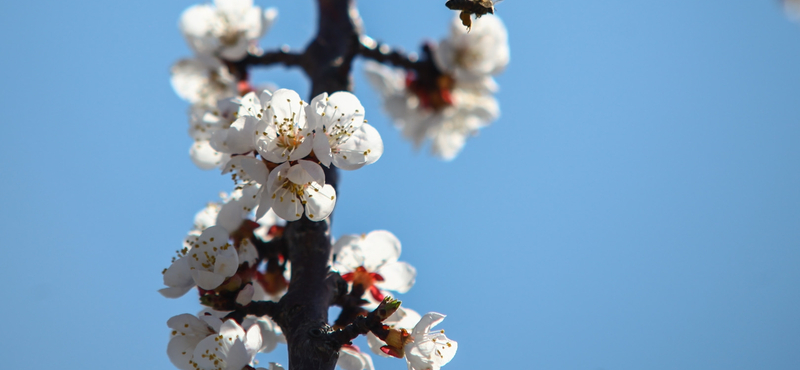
427	321
348	252
398	276
364	147
241	135
252	340
178	279
264	202
271	333
204	156
375	345
286	205
227	262
380	247
180	350
177	291
255	169
286	106
320	201
305	172
322	148
314	111
245	295
206	279
350	359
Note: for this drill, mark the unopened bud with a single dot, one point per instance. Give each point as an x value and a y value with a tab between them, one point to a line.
387	307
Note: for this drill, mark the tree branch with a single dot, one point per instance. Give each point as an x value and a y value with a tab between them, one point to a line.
255	308
365	324
383	53
239	69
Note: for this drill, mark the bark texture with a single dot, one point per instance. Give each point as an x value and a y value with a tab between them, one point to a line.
304	309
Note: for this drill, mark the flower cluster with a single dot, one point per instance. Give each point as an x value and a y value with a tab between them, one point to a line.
369	263
208	343
422	349
457	100
218	33
226	29
220	259
280	143
218	244
281	152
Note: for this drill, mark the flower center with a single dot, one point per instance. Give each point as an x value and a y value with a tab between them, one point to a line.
365	279
435	95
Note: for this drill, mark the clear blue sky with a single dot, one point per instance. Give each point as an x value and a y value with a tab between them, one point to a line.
637	206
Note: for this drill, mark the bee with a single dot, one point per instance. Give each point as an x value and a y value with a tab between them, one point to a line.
469	7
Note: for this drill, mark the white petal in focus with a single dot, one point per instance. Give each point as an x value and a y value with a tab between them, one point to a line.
178	279
311	172
206	279
255	169
322	147
320	201
286	204
364	147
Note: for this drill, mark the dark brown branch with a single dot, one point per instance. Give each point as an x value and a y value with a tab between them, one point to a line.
305	306
383	53
239	69
271	249
327	57
339	288
255	308
364	324
351	306
304	316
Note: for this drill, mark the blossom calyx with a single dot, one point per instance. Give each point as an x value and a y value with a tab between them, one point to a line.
396	341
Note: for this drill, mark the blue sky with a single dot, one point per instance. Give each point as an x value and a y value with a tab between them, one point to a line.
635	207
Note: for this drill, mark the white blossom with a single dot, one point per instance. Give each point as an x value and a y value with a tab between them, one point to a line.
429	350
240	135
212	258
351	358
231	349
271	333
371	260
229	214
202	81
292	190
226	29
342	136
284	133
458	115
238	206
458	102
403	318
187	332
472	57
205	121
